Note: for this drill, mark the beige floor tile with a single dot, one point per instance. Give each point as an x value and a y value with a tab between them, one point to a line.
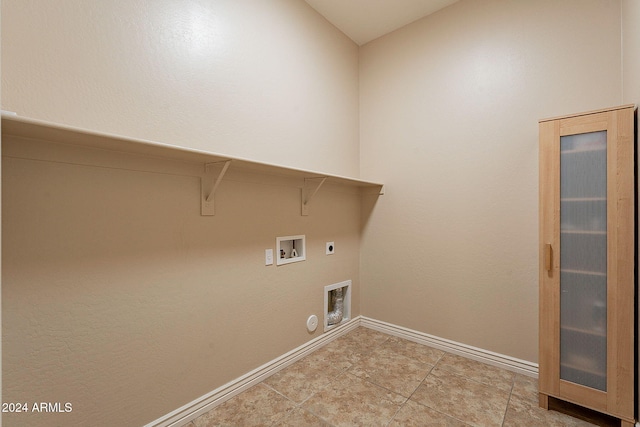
301	418
340	353
413	414
349	348
422	353
385	367
352	401
258	406
364	378
526	388
521	412
367	338
461	398
477	371
305	377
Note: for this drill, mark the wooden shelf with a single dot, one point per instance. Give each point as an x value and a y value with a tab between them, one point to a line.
583	150
584	199
594	372
215	164
586	232
589	273
590	332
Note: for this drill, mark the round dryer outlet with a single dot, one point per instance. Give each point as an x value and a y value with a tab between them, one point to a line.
312	323
330	248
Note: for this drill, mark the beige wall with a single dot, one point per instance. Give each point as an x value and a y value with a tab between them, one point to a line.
267	80
120	298
631	51
117	295
631	74
449	111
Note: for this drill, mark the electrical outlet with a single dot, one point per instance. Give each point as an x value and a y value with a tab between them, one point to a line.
331	248
268	257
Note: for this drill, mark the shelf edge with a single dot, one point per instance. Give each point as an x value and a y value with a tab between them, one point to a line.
20	126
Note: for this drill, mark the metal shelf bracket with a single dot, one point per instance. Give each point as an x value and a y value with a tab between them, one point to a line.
309	189
209	182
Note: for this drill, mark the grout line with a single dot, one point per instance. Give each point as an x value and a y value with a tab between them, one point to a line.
506	409
407	399
422	382
477	381
396	413
370	351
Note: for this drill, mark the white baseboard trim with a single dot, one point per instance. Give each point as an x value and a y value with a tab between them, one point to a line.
496	359
203	404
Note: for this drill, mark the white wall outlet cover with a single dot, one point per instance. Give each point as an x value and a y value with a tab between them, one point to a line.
331	248
268	257
312	323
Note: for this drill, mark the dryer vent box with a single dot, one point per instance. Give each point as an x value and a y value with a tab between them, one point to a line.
328	304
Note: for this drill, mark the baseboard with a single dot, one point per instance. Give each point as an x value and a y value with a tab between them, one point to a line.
485	356
203	404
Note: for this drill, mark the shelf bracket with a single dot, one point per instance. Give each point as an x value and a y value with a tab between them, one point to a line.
309	189
209	182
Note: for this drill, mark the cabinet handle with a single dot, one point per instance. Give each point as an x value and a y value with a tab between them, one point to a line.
548	257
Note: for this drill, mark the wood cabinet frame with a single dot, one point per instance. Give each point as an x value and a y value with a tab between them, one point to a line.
618	399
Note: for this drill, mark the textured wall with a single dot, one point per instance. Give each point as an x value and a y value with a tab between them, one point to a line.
631	51
118	297
267	80
449	111
631	73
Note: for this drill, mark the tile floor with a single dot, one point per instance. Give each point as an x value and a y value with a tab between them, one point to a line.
367	378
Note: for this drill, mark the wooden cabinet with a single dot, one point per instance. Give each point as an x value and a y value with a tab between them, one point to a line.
587	261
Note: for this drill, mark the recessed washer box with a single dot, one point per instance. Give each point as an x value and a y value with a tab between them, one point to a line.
290	249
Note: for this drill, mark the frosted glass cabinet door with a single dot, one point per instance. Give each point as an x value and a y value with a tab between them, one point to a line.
583	259
587	261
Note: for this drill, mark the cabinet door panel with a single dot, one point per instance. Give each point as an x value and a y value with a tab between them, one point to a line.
583	259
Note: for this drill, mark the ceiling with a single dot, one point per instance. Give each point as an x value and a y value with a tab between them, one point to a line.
365	20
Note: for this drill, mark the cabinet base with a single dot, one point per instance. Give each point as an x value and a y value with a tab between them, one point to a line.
543	400
554	404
